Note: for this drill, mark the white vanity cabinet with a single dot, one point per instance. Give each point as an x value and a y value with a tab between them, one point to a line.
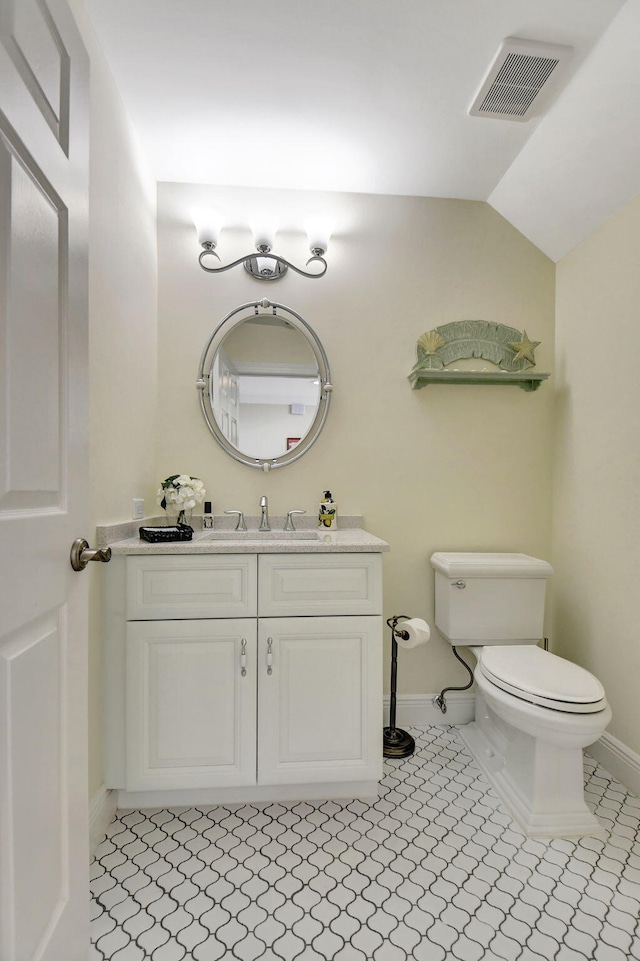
243	676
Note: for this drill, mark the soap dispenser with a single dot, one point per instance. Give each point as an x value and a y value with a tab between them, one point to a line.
207	517
328	513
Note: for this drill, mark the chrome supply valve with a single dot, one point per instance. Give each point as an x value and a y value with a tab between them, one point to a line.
288	524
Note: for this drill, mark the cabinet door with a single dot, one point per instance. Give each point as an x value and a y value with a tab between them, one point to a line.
191	712
320	708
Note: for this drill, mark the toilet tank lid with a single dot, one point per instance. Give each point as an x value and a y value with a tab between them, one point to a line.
462	564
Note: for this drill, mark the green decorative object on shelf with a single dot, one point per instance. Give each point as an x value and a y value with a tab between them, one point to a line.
509	349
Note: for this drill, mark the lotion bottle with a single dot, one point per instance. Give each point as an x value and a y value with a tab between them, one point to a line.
328	513
207	517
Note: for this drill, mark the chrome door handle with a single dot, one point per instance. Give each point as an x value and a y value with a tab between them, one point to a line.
81	554
243	657
269	655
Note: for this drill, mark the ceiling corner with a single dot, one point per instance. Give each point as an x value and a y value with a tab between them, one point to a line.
583	160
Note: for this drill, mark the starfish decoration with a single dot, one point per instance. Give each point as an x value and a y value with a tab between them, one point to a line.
525	349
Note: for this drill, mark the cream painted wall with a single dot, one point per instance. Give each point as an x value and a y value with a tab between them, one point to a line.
444	468
596	520
122	339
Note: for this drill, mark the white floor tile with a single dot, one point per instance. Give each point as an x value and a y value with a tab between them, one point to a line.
433	870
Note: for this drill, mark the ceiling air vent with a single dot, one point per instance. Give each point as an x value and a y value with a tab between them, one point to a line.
521	80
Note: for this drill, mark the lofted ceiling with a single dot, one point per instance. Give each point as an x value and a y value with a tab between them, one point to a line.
371	96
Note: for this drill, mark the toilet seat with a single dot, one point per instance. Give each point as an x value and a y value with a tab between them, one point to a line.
542	678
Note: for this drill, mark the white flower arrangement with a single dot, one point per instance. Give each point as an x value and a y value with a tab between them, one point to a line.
180	492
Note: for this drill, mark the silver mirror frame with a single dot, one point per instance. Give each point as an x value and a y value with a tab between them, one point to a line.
225	326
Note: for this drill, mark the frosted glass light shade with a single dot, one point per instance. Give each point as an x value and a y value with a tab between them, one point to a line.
318	234
208	223
263	237
265	264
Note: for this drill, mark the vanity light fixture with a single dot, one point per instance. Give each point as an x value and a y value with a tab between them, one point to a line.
262	264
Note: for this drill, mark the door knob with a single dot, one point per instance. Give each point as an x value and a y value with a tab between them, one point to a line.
81	554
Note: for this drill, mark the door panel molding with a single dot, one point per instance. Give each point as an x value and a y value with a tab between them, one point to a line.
40	57
32	331
33	779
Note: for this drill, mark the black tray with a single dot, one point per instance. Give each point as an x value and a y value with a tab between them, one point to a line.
162	535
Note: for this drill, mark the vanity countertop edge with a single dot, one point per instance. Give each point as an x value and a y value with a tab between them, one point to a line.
354	540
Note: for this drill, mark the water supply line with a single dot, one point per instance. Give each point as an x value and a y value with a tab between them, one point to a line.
440	701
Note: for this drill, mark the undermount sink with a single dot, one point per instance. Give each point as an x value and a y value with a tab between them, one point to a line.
261	536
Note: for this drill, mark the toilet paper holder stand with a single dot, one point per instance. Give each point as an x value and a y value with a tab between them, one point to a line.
396	742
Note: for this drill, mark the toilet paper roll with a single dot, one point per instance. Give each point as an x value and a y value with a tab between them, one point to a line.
416	630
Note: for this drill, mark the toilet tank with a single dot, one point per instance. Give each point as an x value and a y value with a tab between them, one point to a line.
485	599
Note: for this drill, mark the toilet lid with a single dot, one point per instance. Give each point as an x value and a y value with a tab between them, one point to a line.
543	678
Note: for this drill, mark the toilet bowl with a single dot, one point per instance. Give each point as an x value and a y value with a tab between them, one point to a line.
534	711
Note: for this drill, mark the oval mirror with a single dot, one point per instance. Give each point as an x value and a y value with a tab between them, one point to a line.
264	385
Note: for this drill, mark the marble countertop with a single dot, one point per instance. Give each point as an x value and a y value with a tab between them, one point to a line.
354	540
350	537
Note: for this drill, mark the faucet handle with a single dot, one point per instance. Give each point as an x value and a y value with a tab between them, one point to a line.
288	524
240	526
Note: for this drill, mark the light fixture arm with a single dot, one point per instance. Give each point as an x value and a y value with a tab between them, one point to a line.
250	263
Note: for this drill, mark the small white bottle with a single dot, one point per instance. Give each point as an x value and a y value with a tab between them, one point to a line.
328	513
207	517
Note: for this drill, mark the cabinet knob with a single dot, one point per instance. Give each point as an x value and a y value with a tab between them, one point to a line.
243	657
269	655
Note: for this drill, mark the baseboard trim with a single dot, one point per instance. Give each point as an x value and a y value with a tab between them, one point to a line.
102	810
251	794
419	709
618	759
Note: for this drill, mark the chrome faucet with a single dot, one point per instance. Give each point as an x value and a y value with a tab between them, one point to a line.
264	507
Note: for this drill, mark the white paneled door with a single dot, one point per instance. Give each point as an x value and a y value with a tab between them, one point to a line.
43	482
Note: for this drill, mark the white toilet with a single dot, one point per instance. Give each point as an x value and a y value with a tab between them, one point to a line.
534	711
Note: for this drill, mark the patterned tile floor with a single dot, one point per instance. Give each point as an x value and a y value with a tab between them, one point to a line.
434	869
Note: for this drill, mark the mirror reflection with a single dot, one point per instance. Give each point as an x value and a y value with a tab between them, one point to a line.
264	385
